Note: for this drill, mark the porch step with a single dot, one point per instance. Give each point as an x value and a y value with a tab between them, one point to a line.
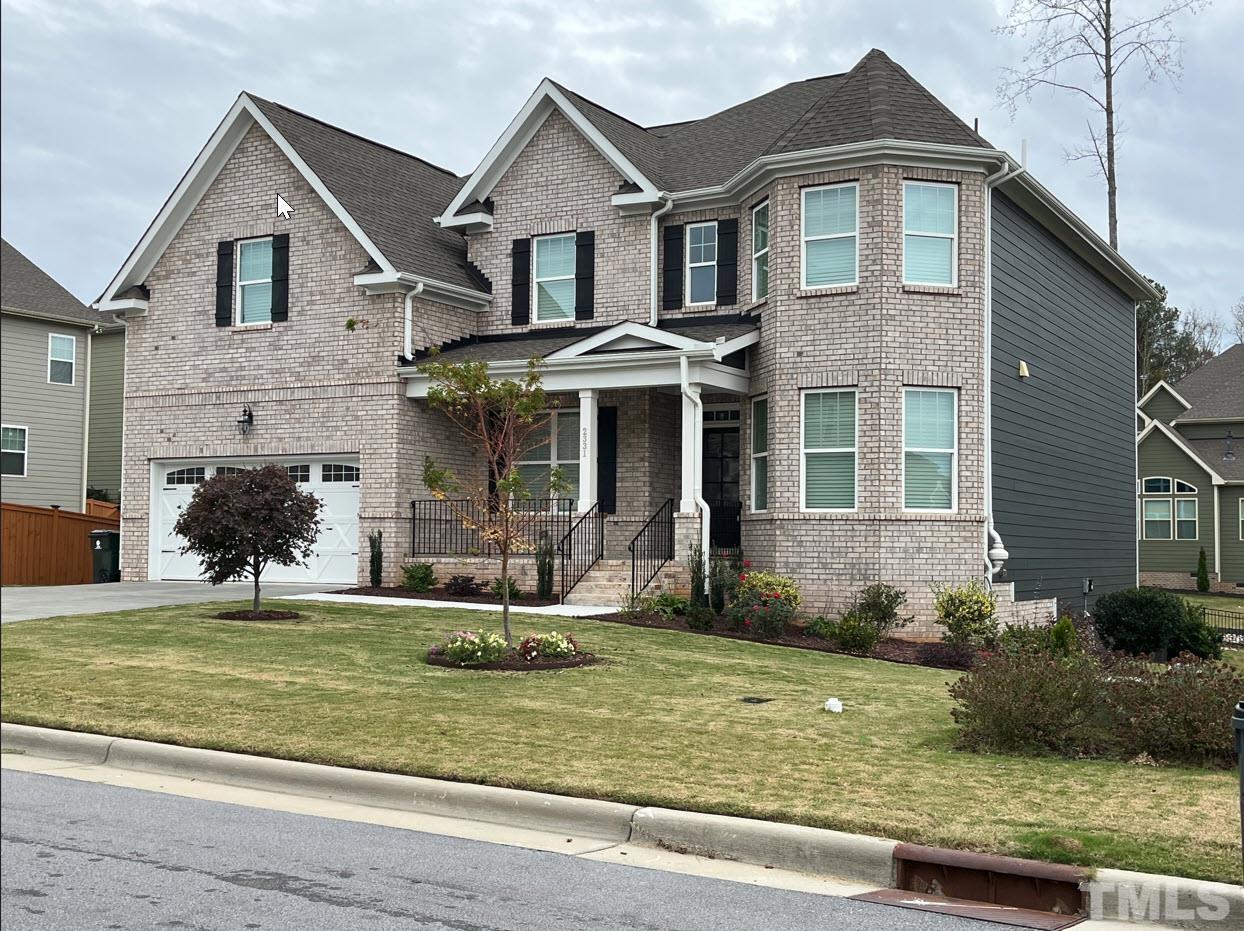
609	583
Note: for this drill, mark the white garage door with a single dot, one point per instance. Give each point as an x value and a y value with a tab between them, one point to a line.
334	480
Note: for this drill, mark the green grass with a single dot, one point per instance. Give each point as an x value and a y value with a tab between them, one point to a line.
660	723
1233	603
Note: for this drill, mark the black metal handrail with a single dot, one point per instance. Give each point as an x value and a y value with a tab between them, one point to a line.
437	529
652	547
581	548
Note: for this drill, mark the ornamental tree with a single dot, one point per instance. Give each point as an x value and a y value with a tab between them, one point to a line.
239	524
503	420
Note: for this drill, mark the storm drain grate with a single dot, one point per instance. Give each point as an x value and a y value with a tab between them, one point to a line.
982	911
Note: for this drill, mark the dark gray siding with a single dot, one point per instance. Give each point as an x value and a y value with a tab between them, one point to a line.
103	456
1064	442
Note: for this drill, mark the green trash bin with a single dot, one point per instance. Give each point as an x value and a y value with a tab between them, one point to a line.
105	556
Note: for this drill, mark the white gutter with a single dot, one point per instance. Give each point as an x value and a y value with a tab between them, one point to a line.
407	336
652	261
697	458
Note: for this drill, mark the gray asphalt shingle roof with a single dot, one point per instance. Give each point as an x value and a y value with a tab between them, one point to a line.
25	287
1212	451
1216	389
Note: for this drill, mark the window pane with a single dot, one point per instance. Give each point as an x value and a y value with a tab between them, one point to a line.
703	284
60	373
567	438
1185	520
14	439
12	463
761	272
760	483
1157	520
760	425
535	479
555	300
929	420
256	303
928	481
928	209
829	262
62	348
829	480
828	211
539	441
1157	486
928	260
570	472
829	419
255	260
760	228
1157	530
555	256
1184	488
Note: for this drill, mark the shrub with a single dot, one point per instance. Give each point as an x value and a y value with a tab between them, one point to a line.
720	582
699	590
763	615
544	567
752	585
552	645
856	632
499	586
1145	621
701	617
969	614
1202	572
1057	640
464	585
668	605
468	647
375	557
418	576
822	627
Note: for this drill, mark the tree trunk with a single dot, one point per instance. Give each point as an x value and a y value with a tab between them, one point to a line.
1112	187
505	593
256	570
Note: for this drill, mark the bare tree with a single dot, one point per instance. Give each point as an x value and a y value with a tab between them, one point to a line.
1237	321
1080	46
1203	331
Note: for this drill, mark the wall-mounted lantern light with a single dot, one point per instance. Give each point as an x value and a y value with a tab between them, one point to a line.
1023	369
1229	455
246	421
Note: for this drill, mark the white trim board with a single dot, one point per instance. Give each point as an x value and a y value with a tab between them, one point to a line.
1175	438
1154	390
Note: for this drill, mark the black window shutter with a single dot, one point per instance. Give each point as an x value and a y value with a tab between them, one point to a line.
224	283
671	289
520	279
728	261
280	277
584	274
607	459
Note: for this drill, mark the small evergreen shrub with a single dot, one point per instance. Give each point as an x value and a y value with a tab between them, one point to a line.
701	617
856	631
375	558
499	586
753	584
668	605
544	567
821	627
464	585
418	577
720	582
763	615
1202	572
699	588
969	613
1059	639
469	647
1149	621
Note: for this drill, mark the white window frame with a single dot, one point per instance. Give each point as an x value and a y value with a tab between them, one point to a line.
954	453
25	451
751	431
1239	512
953	237
554	416
72	360
536	280
758	254
238	283
804	239
1144	529
1196	519
1157	478
688	265
1188	487
804	450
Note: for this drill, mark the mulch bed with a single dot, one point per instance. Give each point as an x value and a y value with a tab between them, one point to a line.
932	653
439	594
515	663
258	615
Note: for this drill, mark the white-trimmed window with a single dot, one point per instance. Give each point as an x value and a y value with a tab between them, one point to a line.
830	241
339	472
1157	518
702	263
930	449
191	475
553	281
760	454
827	453
1184	488
62	351
930	233
555	445
229	470
254	279
1186	519
299	473
1156	485
13	451
760	251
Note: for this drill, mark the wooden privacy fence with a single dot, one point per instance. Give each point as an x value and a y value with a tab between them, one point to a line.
47	546
97	508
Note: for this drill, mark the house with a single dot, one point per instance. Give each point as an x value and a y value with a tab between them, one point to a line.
61	392
831	324
1190	478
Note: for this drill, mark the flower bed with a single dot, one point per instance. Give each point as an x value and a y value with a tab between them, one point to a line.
258	615
469	649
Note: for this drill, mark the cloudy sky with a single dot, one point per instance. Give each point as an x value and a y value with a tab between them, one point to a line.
105	104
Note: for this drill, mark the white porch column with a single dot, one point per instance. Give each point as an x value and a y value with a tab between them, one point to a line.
692	449
588	442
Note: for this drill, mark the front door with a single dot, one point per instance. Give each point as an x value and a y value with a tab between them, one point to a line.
721	485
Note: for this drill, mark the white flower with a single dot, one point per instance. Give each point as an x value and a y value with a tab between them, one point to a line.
834	705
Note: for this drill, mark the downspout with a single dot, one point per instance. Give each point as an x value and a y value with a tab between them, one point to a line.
407	326
86	416
652	260
696	482
995	550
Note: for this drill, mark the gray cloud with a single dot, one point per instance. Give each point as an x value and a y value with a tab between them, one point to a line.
105	105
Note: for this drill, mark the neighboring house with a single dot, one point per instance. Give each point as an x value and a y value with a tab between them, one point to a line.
1190	476
61	392
804	316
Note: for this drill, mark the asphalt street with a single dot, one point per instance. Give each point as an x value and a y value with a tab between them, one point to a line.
85	855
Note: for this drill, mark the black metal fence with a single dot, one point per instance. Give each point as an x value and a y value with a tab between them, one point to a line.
1229	623
438	528
581	548
652	547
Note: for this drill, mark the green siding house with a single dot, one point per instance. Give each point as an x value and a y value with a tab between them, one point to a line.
1190	480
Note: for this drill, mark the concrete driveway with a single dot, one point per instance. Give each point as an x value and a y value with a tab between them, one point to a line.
24	603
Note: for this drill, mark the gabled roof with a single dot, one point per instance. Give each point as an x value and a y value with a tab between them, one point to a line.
27	289
1189	451
1215	391
1161	386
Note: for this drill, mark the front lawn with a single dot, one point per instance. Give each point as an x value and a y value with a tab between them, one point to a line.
660	723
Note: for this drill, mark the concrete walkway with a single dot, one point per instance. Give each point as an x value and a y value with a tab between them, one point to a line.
548	610
24	603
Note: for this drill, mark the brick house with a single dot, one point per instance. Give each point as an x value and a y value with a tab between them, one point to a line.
831	324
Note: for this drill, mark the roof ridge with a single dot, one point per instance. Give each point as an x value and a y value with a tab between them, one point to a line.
601	107
906	75
354	135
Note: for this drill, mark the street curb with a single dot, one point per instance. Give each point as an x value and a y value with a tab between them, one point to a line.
74	746
1172	901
